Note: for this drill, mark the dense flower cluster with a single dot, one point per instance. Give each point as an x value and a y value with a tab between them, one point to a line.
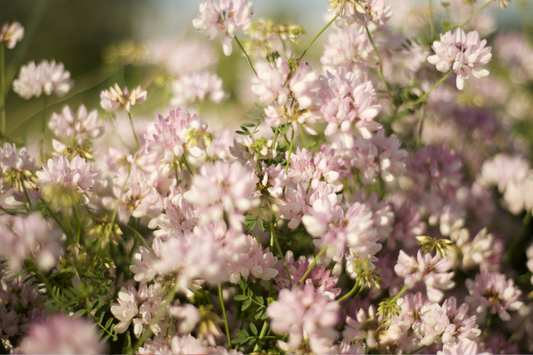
364	205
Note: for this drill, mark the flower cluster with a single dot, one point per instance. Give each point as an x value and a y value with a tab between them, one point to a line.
367	206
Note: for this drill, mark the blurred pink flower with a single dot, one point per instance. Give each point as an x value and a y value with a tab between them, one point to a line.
47	77
11	33
61	335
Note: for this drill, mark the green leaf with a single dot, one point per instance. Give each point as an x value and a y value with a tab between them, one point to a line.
240	298
100	333
250	124
109	321
79	313
260	299
105	339
242	133
261	225
101	318
250	293
253	328
238	341
246	304
245	333
245	129
258	106
259	314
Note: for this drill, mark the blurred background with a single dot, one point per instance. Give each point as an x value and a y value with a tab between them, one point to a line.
102	42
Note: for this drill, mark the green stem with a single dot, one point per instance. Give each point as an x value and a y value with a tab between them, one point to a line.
312	265
425	95
133	130
3	131
246	55
43	127
290	151
26	193
184	158
352	291
115	210
276	243
379	60
252	233
474	13
224	313
431	24
402	291
422	120
318	35
261	336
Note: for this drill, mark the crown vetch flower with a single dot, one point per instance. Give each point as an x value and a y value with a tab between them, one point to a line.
224	15
464	53
79	126
11	33
347	101
55	335
492	291
171	135
197	87
115	98
47	77
306	315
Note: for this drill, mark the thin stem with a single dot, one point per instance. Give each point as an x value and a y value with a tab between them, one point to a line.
116	209
133	130
431	24
290	151
224	313
379	60
252	233
26	193
43	127
318	35
312	265
422	120
276	243
261	336
424	97
184	158
3	130
176	173
352	291
402	291
246	55
474	13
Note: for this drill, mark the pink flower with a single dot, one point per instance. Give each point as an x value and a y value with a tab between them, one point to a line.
252	260
493	292
61	335
220	188
197	87
347	101
305	85
365	12
139	307
22	237
76	175
464	346
447	321
348	49
170	136
46	77
226	15
306	315
180	257
465	54
11	34
432	270
436	166
319	277
115	98
269	84
79	127
17	168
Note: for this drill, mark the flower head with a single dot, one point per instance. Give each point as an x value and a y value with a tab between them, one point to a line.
61	335
79	126
11	34
115	98
47	77
464	54
224	15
